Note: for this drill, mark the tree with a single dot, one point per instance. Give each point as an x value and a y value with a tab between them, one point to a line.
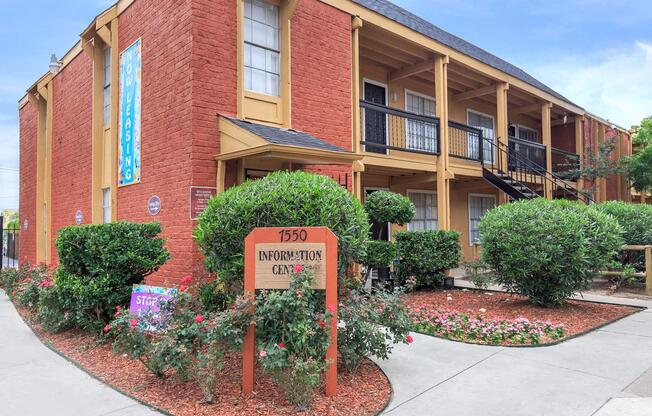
599	165
639	166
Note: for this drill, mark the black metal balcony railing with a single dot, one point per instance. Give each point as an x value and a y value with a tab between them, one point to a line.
464	142
565	164
385	128
525	150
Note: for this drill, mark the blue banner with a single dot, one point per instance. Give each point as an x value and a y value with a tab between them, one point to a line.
129	130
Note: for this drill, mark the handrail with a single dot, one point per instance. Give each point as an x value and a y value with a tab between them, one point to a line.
549	176
456	149
527	143
399	113
564	152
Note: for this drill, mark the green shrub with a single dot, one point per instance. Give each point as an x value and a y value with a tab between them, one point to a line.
281	199
636	220
56	308
373	324
213	297
98	264
378	254
425	255
10	278
389	207
547	250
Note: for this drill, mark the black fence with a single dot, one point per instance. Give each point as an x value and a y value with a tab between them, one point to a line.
9	241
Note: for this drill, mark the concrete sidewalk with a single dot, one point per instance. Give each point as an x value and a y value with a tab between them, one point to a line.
606	372
34	381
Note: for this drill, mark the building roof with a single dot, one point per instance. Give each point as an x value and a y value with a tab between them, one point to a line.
414	22
286	137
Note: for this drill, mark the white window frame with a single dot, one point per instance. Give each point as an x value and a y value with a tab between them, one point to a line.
468	209
106	207
266	48
424	191
378	84
493	128
405	103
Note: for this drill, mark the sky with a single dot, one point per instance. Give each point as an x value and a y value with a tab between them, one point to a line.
597	53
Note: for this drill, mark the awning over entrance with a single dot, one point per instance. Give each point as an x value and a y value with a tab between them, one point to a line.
243	139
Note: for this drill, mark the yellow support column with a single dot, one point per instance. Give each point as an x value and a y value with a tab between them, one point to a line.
441	111
356	24
579	146
502	129
219	179
546	129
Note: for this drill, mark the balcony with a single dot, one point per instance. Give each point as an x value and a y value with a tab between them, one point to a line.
565	164
385	129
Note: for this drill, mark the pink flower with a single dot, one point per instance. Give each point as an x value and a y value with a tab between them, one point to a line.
298	268
183	288
186	280
107	328
409	339
133	323
199	318
331	308
46	283
321	323
27	280
262	353
299	293
281	346
118	308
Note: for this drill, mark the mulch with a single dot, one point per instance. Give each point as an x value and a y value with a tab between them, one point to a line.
365	392
577	316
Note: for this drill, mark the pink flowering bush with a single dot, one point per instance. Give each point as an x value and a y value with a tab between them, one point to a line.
293	335
478	328
188	343
28	284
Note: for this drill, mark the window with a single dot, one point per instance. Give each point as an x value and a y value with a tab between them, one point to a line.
486	124
523	133
419	135
426	216
478	206
261	48
107	86
106	205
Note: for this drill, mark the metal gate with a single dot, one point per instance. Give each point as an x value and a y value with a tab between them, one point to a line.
9	238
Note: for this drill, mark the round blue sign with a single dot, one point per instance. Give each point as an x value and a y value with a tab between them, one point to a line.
154	205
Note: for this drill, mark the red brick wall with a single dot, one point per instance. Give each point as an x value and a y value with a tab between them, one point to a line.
613	180
166	130
72	130
321	79
27	207
214	84
563	137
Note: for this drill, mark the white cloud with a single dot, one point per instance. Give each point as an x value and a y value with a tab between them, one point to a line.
615	84
8	162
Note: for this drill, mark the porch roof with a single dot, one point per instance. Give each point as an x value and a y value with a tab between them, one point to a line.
418	24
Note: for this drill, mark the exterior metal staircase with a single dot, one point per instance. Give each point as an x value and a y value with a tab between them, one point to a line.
522	178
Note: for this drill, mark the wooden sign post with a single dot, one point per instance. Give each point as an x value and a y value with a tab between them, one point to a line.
270	257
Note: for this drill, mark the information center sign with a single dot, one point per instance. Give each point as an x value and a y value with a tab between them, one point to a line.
270	257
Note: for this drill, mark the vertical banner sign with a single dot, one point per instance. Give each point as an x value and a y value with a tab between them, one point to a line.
270	256
129	119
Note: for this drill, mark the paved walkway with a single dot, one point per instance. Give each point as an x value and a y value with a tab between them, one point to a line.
607	372
34	381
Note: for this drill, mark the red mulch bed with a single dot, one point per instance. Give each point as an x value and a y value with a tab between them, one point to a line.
365	392
577	316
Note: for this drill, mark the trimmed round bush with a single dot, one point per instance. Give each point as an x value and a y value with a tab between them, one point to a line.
378	254
426	255
386	206
547	250
281	199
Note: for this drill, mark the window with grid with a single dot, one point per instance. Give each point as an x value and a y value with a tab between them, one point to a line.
106	205
525	133
478	206
486	124
426	215
107	86
420	135
261	47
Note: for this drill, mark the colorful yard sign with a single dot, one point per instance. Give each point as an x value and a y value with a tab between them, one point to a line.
270	256
129	118
145	300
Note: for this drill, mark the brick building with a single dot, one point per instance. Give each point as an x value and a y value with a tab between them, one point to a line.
160	101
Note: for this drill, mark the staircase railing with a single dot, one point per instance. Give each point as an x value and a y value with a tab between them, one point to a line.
527	173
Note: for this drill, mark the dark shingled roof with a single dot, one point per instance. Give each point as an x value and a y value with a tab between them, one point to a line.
287	137
404	17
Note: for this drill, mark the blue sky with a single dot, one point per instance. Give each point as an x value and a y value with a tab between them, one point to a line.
598	53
